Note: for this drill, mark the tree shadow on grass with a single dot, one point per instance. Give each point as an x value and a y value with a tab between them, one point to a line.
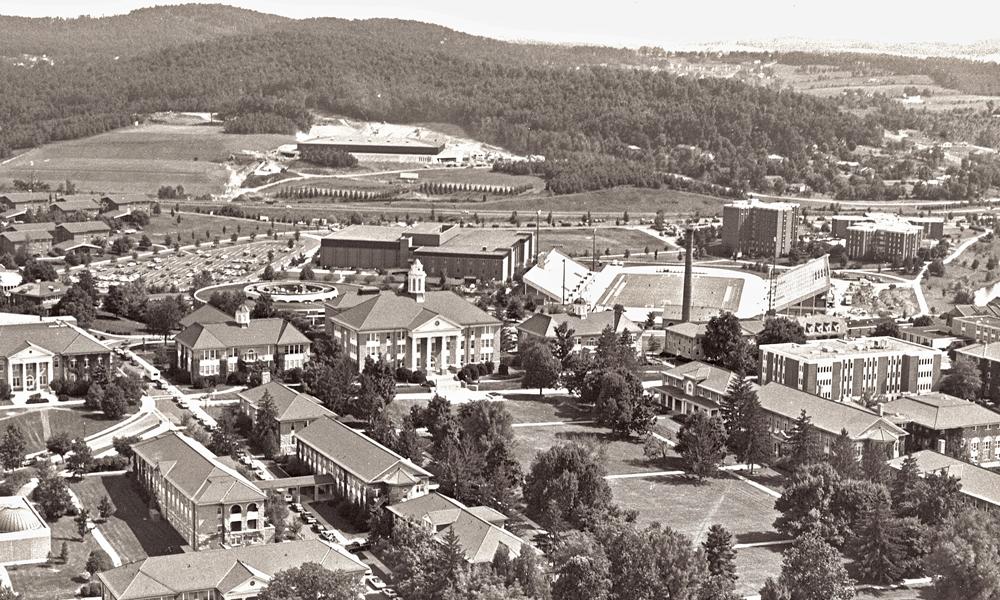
754	537
156	536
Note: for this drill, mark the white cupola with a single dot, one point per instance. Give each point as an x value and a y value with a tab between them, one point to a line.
416	281
243	315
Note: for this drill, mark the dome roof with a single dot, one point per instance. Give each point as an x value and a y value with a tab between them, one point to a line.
17	518
10	278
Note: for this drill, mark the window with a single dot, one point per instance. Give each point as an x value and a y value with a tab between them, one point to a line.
250	355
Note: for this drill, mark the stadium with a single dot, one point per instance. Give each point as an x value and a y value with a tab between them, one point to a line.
660	289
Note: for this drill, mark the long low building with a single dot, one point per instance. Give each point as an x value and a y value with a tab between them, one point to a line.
784	405
443	248
225	574
981	487
694	387
938	421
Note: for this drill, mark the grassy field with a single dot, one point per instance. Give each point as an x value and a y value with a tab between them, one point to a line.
37	425
579	241
140	159
55	579
131	530
203	226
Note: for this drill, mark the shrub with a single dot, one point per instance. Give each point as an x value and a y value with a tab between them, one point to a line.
91	589
504	369
36	399
403	375
490	367
4	391
418	376
483	369
110	463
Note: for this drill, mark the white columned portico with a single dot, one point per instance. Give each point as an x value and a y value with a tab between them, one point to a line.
413	354
427	354
442	363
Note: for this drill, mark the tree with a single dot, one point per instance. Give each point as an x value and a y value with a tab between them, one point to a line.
965	561
746	424
942	498
378	388
622	403
720	553
806	503
276	512
803	443
723	343
59	443
307	274
105	508
812	570
582	568
907	488
312	581
123	445
566	486
12	448
843	456
564	342
873	463
541	369
964	380
878	544
52	496
81	458
887	328
263	307
652	563
702	444
163	316
781	330
98	561
127	300
265	427
81	519
113	403
79	304
268	274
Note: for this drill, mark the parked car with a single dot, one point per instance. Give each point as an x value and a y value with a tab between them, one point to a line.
297	507
318	527
288	498
375	582
389	593
358	546
328	536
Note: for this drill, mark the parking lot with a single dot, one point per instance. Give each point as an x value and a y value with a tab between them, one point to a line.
175	271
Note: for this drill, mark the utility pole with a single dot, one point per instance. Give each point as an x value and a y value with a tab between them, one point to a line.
773	280
593	253
564	283
538	235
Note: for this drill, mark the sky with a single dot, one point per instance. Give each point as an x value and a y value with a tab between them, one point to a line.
633	23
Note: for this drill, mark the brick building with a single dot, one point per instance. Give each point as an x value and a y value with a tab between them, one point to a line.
756	228
694	387
987	358
32	242
206	501
853	368
982	329
941	422
883	241
294	410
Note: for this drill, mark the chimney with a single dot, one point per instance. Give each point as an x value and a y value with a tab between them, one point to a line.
881	409
265	376
940	446
688	257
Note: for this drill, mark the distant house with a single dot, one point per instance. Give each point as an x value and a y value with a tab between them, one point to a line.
684	339
40	293
224	574
587	328
294	410
118	206
206	501
80	231
31	243
694	387
479	529
64	210
932	336
981	487
783	406
23	200
941	422
364	472
211	350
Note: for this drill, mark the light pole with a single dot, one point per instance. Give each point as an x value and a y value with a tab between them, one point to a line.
538	236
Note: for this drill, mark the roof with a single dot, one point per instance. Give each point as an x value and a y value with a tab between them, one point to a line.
560	277
69	206
41	289
478	536
32	235
690	329
375	233
545	325
976	481
756	203
128	199
390	310
25	197
10	278
17	515
989	351
837	348
57	337
44	226
940	412
359	454
707	376
828	415
69	245
223	569
75	227
229	334
291	404
205	313
195	471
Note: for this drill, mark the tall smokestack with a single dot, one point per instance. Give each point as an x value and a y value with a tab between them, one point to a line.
688	258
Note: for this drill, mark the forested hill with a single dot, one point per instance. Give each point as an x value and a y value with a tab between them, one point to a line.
139	31
601	126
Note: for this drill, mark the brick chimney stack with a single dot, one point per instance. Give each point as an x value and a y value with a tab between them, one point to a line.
688	258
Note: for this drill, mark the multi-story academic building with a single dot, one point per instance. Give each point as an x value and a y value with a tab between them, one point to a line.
853	368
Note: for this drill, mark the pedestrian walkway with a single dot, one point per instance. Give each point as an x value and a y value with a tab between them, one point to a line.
646	474
555	423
